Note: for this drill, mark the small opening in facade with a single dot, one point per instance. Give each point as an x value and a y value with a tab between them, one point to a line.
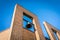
27	22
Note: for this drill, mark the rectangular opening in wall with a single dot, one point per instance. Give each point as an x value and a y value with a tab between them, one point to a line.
27	22
55	36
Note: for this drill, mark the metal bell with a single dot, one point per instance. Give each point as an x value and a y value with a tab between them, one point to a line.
29	25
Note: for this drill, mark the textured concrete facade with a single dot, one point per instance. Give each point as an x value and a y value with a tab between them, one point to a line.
51	30
19	33
5	35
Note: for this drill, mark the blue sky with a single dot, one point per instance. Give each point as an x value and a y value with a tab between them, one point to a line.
45	10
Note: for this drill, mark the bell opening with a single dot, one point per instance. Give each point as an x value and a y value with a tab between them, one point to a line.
28	22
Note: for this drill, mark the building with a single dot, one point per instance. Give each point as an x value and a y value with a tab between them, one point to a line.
18	32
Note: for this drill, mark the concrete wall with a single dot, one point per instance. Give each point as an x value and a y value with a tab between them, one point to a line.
5	34
51	30
17	32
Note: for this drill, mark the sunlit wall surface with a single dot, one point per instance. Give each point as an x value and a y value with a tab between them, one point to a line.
45	11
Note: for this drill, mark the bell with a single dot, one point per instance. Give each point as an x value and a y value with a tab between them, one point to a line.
29	25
